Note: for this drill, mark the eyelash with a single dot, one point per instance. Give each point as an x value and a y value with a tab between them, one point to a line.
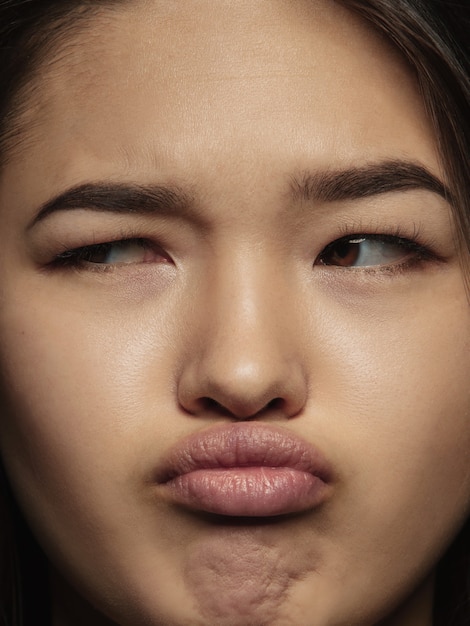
415	253
79	258
418	252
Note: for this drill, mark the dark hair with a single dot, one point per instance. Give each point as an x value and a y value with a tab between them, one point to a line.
433	35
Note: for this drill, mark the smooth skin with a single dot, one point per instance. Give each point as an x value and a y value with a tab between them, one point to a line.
230	313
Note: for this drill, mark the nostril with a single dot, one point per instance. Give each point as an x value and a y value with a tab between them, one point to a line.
273	390
210	405
276	404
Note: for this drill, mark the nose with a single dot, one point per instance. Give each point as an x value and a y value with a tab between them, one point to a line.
244	359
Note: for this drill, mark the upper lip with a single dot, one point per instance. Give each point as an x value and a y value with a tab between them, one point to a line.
247	444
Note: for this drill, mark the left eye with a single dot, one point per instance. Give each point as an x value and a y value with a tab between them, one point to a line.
369	251
125	251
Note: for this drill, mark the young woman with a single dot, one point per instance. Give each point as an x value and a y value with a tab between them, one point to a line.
234	315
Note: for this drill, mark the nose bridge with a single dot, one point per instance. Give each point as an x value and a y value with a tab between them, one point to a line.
246	358
245	309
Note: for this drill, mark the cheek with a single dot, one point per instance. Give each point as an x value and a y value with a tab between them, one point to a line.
84	392
388	386
87	398
395	389
395	368
91	405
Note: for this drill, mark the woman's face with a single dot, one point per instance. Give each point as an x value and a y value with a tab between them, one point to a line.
228	418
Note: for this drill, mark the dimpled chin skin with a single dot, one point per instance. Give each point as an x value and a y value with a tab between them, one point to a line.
105	371
251	580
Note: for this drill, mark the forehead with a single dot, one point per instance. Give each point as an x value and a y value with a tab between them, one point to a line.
158	84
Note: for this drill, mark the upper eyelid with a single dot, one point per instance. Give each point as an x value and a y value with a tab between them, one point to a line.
397	239
65	239
129	238
75	255
416	234
376	228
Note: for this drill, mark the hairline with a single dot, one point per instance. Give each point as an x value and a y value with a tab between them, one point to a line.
54	43
57	39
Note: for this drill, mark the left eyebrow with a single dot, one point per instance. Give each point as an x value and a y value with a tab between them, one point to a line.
366	181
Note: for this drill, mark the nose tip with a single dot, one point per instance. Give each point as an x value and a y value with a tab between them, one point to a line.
243	355
243	388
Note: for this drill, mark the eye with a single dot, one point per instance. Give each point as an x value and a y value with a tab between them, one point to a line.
124	251
371	251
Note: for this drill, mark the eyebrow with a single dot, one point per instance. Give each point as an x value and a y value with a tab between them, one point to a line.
322	186
366	181
125	198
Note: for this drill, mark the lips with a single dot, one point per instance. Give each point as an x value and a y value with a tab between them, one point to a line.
245	470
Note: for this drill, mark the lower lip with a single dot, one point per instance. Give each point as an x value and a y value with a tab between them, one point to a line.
248	491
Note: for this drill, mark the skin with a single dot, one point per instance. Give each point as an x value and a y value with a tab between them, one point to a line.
105	370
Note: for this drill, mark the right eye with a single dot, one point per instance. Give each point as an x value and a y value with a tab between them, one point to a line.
123	252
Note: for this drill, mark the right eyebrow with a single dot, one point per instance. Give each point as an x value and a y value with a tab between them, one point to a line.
121	198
